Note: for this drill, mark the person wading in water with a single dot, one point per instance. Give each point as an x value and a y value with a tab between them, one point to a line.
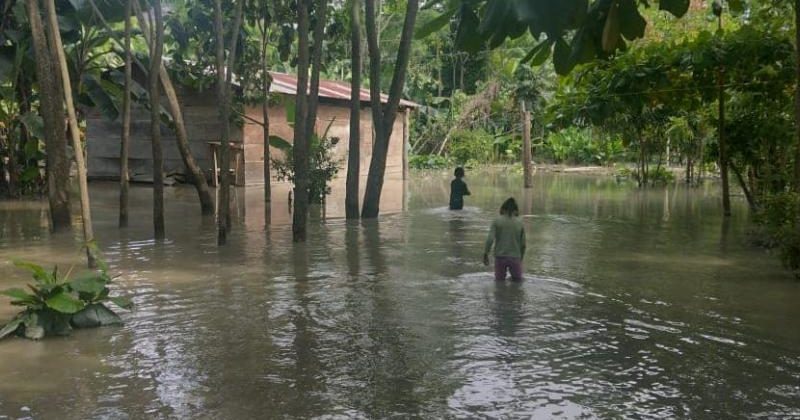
507	235
458	189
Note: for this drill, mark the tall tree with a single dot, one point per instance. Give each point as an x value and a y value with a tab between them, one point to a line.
266	82
153	80
301	145
126	121
77	145
224	82
57	168
307	104
354	150
383	116
181	134
797	96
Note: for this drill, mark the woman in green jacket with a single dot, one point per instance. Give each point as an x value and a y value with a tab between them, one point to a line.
507	235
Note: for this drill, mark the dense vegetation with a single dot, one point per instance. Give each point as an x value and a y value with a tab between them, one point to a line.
647	86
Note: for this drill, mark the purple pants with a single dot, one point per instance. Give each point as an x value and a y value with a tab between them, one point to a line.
504	264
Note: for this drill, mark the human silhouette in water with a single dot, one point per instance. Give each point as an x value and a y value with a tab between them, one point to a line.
458	189
507	235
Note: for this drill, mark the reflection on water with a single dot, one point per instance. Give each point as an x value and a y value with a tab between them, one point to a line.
635	304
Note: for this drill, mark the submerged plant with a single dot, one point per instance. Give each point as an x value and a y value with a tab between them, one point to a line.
54	305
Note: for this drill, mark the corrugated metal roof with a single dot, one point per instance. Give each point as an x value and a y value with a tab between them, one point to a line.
287	84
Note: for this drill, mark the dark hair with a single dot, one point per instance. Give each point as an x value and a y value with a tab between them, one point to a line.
509	208
459	172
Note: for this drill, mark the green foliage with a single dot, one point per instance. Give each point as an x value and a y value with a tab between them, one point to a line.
430	161
53	305
579	146
573	31
323	165
467	147
779	218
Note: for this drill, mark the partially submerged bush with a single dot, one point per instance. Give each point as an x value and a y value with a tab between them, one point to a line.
54	305
779	217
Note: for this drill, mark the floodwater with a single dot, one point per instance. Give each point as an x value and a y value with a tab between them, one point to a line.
636	304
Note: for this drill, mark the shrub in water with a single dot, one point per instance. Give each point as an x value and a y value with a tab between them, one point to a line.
54	305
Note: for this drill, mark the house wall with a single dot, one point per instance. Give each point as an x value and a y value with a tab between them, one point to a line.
339	114
202	125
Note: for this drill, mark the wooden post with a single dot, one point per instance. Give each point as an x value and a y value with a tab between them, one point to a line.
527	164
406	133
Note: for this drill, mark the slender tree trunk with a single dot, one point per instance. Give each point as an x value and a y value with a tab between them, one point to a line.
751	201
527	164
77	145
796	185
124	173
181	135
224	80
723	148
385	116
52	112
155	122
354	149
300	148
266	82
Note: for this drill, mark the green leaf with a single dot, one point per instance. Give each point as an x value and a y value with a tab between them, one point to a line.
95	315
39	273
92	283
102	96
467	37
540	53
17	294
677	7
63	302
11	327
279	143
561	57
611	29
632	24
122	302
434	24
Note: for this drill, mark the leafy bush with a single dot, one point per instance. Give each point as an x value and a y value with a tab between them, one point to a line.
323	167
54	305
578	146
661	175
467	146
430	162
779	217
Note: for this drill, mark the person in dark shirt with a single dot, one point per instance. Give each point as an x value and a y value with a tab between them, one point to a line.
458	189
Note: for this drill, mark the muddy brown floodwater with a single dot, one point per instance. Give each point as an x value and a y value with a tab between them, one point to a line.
636	304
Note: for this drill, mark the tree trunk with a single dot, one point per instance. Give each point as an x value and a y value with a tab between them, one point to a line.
354	149
77	145
723	148
751	201
527	164
155	122
300	147
124	173
266	82
796	185
52	113
224	81
181	135
383	117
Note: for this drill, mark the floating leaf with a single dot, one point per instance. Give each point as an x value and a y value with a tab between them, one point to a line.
11	327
